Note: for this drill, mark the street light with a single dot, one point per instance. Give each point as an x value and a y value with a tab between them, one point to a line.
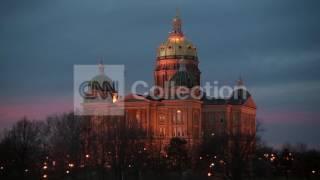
211	165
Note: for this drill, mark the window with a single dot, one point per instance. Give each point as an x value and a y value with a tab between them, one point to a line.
162	119
174	132
236	122
138	116
179	116
212	117
222	117
196	118
162	131
178	132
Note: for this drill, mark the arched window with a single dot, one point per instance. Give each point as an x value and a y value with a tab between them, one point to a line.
174	133
162	119
179	116
179	132
162	131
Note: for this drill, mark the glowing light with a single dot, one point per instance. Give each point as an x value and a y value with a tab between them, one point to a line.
178	111
272	159
45	167
200	157
67	171
209	174
114	99
212	165
26	170
71	165
45	176
313	171
1	168
87	156
176	38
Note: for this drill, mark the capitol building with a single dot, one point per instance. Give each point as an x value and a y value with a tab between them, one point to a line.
176	64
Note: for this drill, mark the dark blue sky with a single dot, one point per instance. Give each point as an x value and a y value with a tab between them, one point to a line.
273	44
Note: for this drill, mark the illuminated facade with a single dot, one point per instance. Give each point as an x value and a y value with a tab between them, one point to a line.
191	118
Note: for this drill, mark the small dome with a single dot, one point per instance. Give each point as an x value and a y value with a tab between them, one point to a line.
104	81
183	78
101	78
240	93
101	88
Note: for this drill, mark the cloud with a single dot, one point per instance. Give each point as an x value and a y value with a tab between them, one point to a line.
36	108
273	44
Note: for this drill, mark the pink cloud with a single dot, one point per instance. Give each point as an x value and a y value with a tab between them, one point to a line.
37	109
285	116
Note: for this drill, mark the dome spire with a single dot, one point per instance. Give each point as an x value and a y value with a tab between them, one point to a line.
101	66
177	23
240	81
177	13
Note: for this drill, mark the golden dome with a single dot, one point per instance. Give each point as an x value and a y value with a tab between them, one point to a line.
177	46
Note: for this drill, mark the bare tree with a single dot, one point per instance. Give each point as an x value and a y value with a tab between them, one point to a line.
229	154
20	149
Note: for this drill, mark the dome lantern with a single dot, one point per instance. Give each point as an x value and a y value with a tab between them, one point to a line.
176	25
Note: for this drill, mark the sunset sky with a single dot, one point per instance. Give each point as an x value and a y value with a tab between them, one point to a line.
273	44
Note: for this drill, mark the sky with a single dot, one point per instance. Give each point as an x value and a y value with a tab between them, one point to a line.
273	44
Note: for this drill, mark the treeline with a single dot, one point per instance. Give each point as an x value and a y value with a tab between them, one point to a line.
71	147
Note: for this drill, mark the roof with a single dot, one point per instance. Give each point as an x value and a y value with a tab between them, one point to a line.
237	98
